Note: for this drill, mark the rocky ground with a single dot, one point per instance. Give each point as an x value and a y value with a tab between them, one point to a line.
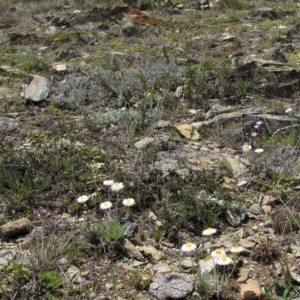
191	107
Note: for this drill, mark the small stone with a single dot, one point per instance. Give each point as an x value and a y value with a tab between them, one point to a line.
255	209
140	296
251	291
59	67
160	124
152	216
178	92
73	272
267	209
187	263
143	143
159	255
244	275
137	263
132	251
207	245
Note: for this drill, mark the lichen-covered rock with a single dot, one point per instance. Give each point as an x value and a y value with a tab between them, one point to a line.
171	286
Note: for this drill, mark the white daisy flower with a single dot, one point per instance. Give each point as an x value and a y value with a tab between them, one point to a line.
117	186
106	205
209	231
188	247
82	199
237	249
108	182
246	148
128	202
259	150
224	260
218	252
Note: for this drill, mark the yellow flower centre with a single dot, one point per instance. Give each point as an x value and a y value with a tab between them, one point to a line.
208	229
189	245
105	204
128	201
224	258
218	251
236	248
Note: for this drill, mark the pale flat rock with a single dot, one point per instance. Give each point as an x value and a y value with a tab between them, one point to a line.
164	270
259	239
267	209
295	276
59	67
150	250
188	131
236	167
143	143
132	251
245	243
251	291
187	263
244	274
159	255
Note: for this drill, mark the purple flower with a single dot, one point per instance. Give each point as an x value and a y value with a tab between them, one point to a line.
259	122
256	126
254	134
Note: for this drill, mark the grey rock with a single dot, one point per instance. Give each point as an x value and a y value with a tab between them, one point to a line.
255	209
160	124
6	256
51	29
6	123
236	215
130	229
38	88
171	286
207	245
178	92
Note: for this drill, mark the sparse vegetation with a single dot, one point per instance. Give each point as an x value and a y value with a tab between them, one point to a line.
133	71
